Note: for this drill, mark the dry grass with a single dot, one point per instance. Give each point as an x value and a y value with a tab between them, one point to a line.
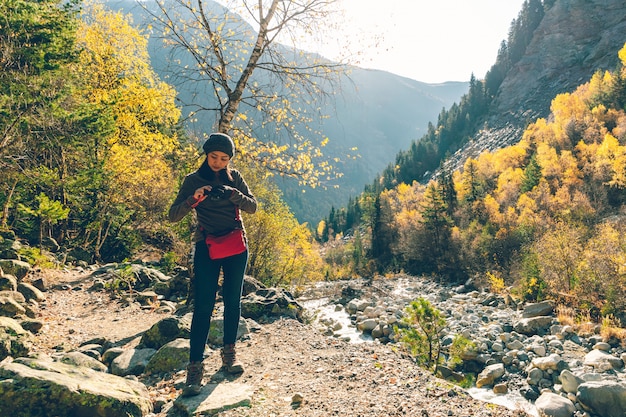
580	321
610	330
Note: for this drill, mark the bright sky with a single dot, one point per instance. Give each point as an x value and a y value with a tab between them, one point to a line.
450	39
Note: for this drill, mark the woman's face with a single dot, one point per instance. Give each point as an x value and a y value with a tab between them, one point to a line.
217	160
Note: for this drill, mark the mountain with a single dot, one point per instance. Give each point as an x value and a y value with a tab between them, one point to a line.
377	112
574	39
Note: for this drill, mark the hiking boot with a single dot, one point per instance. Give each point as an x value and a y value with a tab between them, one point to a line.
193	384
230	364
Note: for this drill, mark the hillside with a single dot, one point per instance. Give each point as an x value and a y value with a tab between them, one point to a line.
574	39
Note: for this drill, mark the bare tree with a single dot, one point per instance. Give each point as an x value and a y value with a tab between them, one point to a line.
269	114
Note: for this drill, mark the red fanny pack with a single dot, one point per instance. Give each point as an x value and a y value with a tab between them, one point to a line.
230	244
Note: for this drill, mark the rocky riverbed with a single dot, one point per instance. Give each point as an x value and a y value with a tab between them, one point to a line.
523	357
73	344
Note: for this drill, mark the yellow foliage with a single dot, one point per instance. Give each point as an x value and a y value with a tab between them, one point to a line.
115	66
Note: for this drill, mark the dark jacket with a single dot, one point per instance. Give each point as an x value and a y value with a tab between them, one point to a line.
213	217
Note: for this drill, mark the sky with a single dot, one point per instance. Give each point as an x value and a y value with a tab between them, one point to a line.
431	41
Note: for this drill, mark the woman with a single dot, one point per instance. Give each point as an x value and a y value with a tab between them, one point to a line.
217	193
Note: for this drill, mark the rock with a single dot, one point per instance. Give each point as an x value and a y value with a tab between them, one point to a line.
270	302
489	375
553	405
553	362
534	376
533	325
30	292
14	340
9	247
32	325
50	244
82	360
216	331
170	357
165	331
110	354
8	283
569	381
500	389
544	308
38	387
131	362
603	398
251	285
14	267
215	398
602	361
10	308
602	346
367	325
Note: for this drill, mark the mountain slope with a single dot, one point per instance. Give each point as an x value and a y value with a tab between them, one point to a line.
377	112
575	39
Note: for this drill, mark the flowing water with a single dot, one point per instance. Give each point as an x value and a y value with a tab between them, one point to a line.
326	312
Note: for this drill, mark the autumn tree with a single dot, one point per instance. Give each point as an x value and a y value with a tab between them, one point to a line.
134	174
259	87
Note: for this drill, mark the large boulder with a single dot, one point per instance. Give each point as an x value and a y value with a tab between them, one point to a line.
553	405
14	340
216	331
603	398
602	361
268	302
489	375
14	267
131	362
544	308
533	325
38	387
170	357
166	330
9	307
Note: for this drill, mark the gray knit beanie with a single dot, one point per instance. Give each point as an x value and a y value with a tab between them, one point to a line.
219	142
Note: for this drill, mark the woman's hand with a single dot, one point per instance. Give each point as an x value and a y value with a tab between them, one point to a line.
200	194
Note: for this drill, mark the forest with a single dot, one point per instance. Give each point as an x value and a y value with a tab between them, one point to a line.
93	148
541	219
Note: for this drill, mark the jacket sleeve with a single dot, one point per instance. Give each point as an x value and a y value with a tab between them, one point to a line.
183	203
242	197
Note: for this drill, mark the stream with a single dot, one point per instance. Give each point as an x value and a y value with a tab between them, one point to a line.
326	312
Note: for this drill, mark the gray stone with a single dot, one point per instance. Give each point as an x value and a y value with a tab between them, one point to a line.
82	360
603	398
8	283
549	362
11	308
367	325
131	362
42	387
569	381
170	357
489	375
533	325
166	330
30	292
14	267
534	376
602	361
544	308
216	331
216	398
270	302
553	405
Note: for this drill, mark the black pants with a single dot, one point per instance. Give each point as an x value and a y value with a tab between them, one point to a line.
206	276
